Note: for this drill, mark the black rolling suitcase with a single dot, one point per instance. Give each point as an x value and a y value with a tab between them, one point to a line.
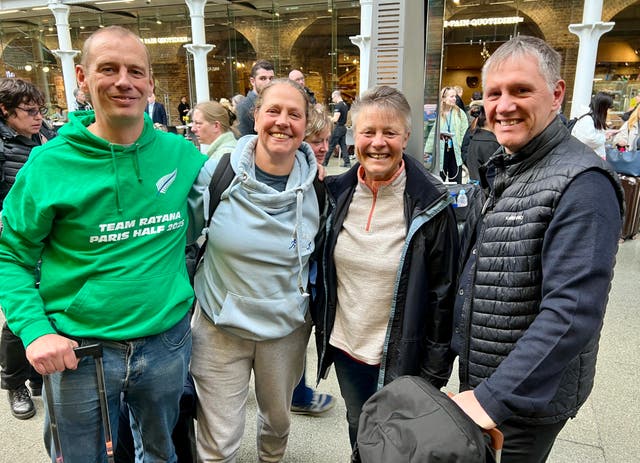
95	351
631	223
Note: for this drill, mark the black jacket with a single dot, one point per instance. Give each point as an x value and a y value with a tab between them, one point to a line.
14	152
419	330
525	278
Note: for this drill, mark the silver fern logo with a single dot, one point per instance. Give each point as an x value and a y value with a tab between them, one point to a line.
165	182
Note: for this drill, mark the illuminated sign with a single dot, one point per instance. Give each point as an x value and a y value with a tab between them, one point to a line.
162	40
478	22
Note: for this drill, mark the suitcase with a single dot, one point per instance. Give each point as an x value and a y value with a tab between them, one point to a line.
95	351
631	223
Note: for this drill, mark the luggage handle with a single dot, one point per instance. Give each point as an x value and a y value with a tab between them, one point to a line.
95	351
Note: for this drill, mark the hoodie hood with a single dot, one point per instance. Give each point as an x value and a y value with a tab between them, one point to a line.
243	162
77	134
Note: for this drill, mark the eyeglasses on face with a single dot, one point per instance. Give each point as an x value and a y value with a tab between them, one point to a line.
43	110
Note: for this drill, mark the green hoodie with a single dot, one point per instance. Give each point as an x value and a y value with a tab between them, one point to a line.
109	223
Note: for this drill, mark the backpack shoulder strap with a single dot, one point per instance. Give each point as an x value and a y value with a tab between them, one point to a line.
220	181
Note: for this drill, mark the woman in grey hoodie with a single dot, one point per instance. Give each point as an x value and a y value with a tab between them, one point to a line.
252	311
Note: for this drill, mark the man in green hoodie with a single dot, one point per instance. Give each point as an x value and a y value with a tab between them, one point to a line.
105	207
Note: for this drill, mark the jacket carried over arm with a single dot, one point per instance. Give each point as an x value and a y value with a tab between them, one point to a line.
420	323
109	223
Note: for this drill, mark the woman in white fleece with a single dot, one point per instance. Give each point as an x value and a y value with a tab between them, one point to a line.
389	262
251	287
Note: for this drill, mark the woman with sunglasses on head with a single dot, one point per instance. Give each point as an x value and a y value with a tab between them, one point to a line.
453	125
22	113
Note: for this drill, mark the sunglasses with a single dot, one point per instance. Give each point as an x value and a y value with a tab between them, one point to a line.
43	110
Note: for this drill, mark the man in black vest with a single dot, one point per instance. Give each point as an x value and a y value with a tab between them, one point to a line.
537	272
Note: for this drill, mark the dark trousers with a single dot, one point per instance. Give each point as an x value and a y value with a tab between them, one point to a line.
358	382
16	369
338	137
527	443
183	436
451	171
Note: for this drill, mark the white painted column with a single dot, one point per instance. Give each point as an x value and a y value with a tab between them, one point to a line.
65	52
589	33
199	49
363	42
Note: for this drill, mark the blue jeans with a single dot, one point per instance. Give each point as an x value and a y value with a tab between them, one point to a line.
147	373
358	382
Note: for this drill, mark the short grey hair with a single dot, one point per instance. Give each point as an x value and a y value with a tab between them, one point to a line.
549	60
383	97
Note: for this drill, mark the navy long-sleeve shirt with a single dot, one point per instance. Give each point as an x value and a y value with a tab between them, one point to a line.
577	260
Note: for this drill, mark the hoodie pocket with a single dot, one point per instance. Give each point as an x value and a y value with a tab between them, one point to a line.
261	319
130	308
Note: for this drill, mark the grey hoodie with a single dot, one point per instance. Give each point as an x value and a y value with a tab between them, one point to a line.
253	279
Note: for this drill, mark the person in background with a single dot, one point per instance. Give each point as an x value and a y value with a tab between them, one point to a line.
305	400
81	103
628	135
298	76
235	101
389	262
110	235
591	127
538	260
183	109
459	101
22	113
453	125
213	126
478	146
261	74
252	285
59	116
339	134
156	110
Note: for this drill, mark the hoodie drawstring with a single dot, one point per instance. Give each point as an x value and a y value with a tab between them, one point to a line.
117	178
136	163
298	241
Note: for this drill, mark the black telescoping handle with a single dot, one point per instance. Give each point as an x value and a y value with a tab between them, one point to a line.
93	350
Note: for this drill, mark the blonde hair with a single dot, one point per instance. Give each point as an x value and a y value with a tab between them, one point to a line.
212	111
317	123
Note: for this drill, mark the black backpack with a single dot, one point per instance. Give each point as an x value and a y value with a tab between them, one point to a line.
411	421
571	123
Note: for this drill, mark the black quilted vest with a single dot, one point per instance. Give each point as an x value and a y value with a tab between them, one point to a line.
507	289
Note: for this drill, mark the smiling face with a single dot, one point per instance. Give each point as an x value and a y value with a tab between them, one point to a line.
518	101
280	122
117	75
22	122
380	138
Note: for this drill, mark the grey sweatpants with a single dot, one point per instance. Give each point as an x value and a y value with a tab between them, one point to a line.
221	365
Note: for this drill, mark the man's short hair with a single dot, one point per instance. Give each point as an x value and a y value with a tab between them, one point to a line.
118	30
261	64
549	60
336	93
